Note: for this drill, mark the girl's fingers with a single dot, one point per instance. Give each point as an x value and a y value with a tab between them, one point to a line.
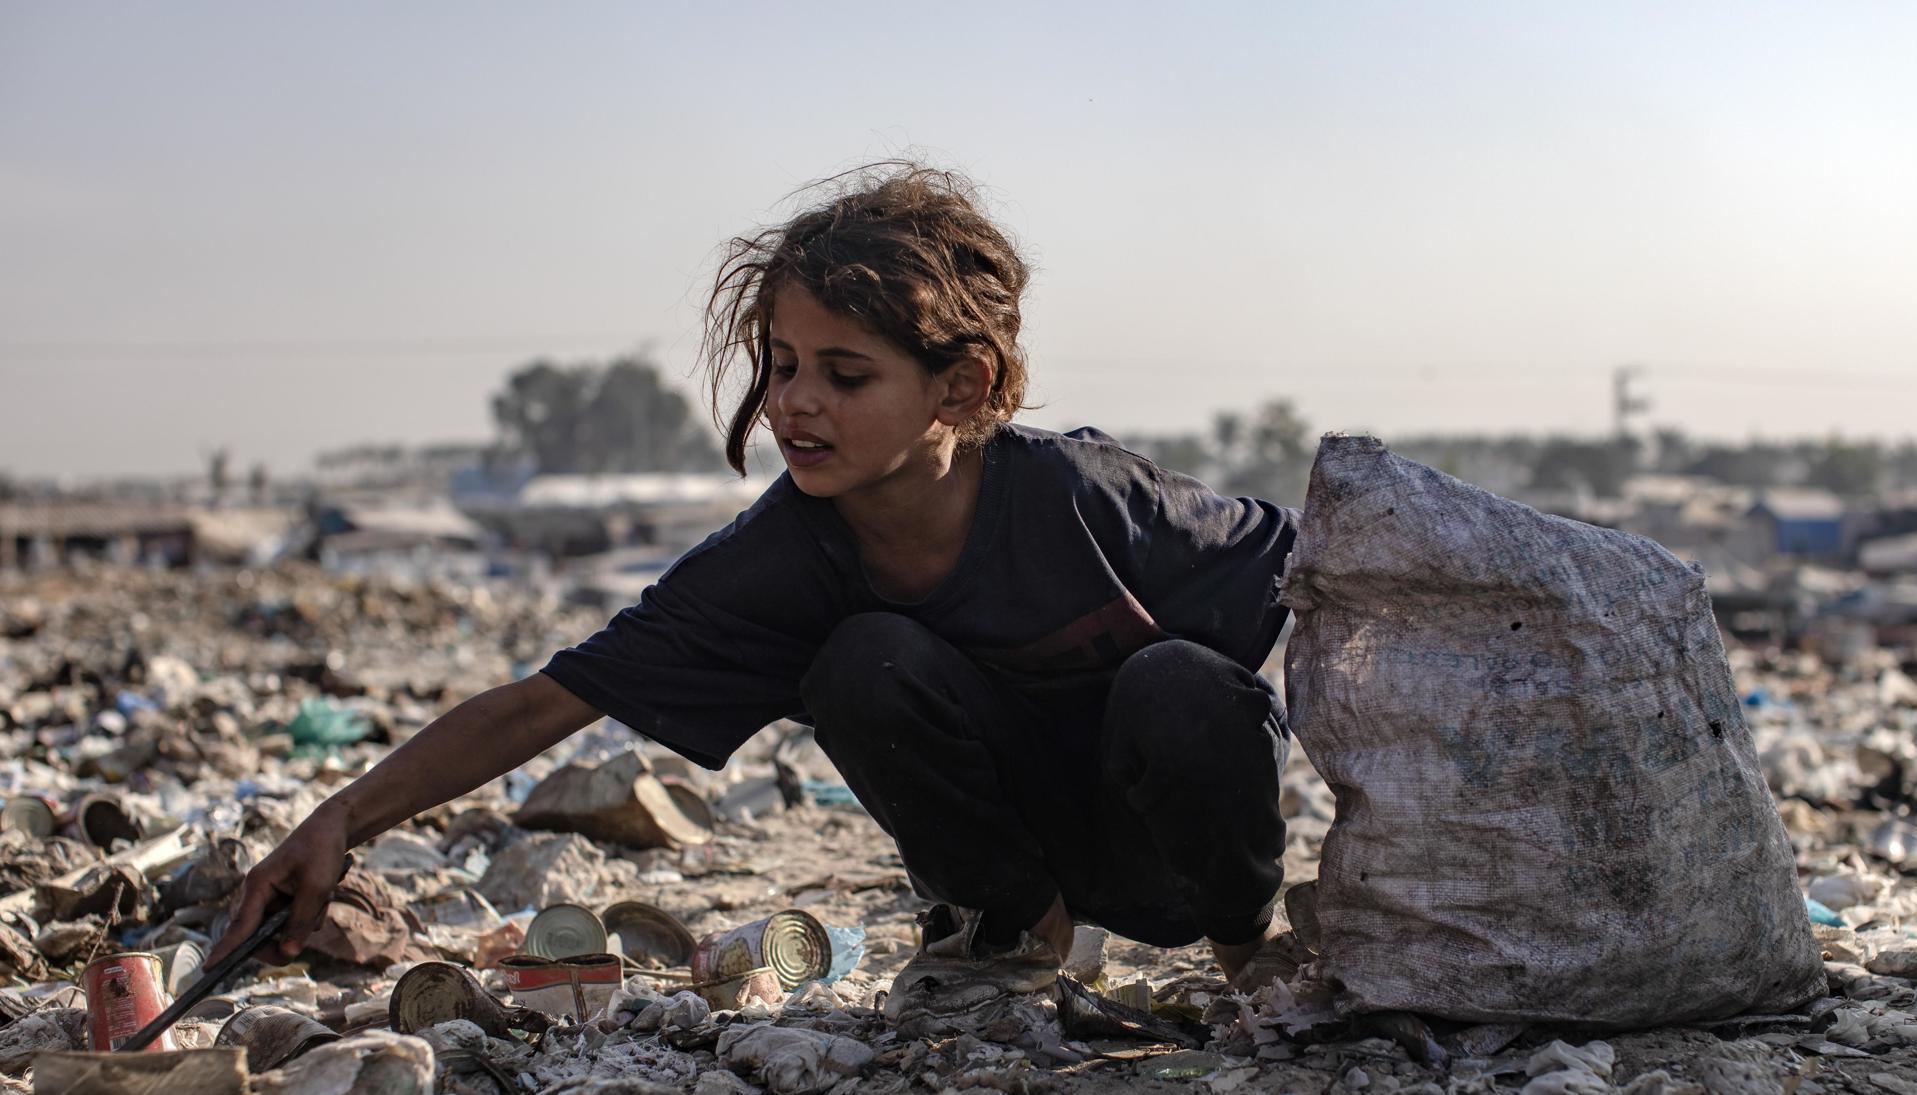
254	893
309	903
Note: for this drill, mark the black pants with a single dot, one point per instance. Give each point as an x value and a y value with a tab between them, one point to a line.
1150	804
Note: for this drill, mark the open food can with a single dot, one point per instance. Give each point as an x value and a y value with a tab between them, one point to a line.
433	992
649	934
34	815
561	931
100	819
180	965
579	986
792	943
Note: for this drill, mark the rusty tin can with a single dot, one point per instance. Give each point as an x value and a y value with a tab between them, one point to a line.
579	986
272	1036
434	992
649	934
793	943
760	986
561	931
123	995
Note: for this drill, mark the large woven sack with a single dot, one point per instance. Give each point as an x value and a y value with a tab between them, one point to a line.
1548	805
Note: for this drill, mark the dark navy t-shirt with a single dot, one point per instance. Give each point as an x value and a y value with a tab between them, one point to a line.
1080	554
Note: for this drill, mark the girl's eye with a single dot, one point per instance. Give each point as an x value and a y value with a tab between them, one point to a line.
844	381
783	371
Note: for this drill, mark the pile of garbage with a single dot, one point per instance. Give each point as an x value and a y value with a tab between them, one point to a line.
610	918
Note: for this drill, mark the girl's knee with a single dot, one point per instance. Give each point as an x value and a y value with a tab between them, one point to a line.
863	645
1172	675
1180	703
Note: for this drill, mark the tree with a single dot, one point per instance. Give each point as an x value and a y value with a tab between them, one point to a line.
591	418
636	424
1758	464
1847	467
1674	451
217	475
1600	466
1268	457
1901	465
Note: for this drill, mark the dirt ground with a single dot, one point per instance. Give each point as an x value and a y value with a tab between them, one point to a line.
184	695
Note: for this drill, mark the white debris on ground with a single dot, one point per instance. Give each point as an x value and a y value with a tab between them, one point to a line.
198	717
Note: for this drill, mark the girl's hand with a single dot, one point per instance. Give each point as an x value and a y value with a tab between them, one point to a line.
303	869
481	739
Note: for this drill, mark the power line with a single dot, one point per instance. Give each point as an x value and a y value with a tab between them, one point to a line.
82	350
1507	376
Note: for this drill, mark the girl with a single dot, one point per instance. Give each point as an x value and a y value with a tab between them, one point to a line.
1031	656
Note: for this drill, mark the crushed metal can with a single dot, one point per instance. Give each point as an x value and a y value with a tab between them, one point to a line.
272	1036
562	931
463	908
649	934
435	992
793	943
579	986
123	995
760	986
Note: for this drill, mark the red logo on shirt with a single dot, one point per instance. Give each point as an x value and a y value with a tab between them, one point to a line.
1099	639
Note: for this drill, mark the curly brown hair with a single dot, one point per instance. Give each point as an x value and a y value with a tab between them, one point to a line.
903	249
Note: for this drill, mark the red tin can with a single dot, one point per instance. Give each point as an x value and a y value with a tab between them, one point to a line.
579	986
124	995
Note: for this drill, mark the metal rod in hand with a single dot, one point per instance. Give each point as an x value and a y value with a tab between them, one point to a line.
220	971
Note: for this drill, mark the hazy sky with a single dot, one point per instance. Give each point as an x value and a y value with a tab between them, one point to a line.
283	228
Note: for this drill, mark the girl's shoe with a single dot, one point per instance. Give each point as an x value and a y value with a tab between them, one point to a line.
956	978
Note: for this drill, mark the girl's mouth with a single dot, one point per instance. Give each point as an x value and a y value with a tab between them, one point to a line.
803	454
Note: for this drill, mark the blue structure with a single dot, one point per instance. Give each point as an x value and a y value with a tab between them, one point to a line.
1804	523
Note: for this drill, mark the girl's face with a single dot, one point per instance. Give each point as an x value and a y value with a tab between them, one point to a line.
851	409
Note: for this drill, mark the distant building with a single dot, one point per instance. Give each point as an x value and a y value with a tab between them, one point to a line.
578	515
1889	555
58	532
423	469
1802	523
400	538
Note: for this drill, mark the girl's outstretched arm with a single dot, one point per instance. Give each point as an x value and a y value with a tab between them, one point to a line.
480	740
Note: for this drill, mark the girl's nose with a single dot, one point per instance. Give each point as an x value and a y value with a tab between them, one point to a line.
798	395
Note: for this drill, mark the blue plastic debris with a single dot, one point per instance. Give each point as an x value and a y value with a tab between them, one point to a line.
1821	913
848	950
1757	697
519	785
825	793
129	701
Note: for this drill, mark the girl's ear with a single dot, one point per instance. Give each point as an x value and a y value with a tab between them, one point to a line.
966	383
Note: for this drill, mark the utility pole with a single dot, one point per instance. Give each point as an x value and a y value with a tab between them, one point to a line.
1624	404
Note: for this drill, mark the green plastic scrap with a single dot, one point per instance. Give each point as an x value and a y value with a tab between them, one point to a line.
323	724
1187	1064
